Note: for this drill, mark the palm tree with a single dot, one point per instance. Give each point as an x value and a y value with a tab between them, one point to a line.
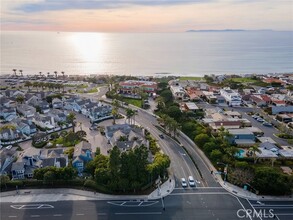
129	114
161	102
21	72
14	70
56	74
231	151
19	99
71	119
36	85
63	75
255	149
115	114
48	74
28	84
173	126
9	126
80	125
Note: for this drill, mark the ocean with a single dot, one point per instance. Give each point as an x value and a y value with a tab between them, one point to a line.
188	54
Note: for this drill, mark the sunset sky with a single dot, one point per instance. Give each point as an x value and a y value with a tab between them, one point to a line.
145	15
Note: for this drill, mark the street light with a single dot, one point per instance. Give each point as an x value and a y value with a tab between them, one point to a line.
225	170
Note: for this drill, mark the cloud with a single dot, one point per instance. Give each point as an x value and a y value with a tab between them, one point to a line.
58	5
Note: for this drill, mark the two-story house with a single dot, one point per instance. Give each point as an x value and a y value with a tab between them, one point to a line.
44	106
26	110
82	154
8	113
100	112
44	121
58	115
241	136
17	170
7	156
9	134
57	103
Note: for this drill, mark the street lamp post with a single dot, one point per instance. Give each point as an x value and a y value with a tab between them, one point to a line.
160	193
225	170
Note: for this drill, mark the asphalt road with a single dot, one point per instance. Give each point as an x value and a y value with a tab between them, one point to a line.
193	204
181	164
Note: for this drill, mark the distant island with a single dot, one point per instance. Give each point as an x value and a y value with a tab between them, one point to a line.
226	30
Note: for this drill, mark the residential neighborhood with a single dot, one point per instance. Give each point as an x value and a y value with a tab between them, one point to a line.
251	121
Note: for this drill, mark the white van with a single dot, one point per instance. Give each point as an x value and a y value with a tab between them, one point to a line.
191	181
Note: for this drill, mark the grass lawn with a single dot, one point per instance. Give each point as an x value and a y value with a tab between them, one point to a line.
93	90
244	80
190	78
136	102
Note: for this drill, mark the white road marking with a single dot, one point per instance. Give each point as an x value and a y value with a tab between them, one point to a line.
138	213
242	206
200	193
133	203
34	206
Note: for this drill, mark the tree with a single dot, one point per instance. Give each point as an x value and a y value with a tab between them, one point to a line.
21	72
114	162
36	85
255	149
240	176
129	114
69	151
174	112
167	95
56	74
4	179
28	84
160	102
19	99
71	119
49	177
216	155
115	114
270	181
208	79
14	70
208	147
174	126
201	139
7	127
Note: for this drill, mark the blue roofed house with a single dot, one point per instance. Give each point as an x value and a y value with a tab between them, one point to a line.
8	113
82	154
7	156
241	136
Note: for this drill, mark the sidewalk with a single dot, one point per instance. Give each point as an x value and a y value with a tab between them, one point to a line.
63	194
